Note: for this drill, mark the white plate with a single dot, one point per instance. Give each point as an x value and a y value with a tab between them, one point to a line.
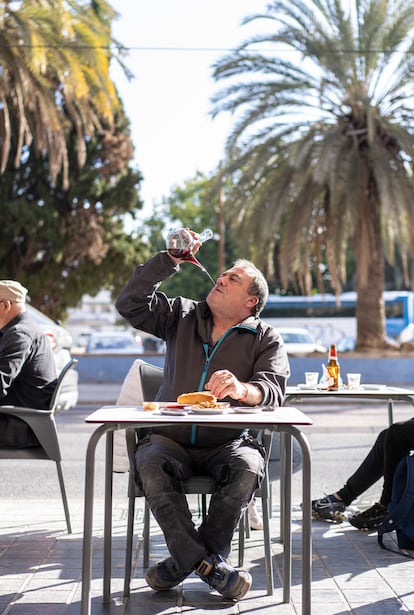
196	410
307	387
373	387
246	409
174	411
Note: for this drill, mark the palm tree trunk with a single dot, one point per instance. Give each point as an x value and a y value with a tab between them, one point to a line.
369	251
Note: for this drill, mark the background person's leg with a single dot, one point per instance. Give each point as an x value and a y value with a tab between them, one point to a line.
370	470
399	442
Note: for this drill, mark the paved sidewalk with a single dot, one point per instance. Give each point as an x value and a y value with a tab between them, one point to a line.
40	570
40	565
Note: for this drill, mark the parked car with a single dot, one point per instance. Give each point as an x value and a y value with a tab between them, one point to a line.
61	342
81	340
112	342
300	341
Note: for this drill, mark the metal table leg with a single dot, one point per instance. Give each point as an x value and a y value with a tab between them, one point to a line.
285	462
88	516
286	507
108	517
306	526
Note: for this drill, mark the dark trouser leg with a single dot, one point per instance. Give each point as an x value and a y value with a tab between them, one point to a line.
398	443
162	464
16	433
370	470
238	469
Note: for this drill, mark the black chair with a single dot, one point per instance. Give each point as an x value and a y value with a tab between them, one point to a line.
43	424
151	379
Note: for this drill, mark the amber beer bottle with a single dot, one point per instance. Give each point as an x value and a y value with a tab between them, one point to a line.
333	369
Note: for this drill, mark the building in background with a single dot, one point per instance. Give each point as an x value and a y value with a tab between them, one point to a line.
98	313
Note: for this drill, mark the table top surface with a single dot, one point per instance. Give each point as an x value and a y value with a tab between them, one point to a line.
365	390
230	416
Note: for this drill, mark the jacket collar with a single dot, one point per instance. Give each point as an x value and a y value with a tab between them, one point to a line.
205	321
14	321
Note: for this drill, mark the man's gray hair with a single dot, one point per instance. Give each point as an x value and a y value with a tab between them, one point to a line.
258	286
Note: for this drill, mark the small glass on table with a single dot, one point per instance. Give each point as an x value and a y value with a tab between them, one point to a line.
354	380
311	379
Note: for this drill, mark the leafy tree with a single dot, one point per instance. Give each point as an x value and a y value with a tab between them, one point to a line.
62	244
54	59
65	178
321	154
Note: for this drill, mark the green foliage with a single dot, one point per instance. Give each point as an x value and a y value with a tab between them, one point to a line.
62	244
55	57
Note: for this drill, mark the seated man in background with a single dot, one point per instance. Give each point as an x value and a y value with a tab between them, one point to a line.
390	447
27	368
221	345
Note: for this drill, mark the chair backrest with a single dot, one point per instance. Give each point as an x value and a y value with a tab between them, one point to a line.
59	384
151	380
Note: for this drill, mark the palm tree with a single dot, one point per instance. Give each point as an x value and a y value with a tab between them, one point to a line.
321	153
54	78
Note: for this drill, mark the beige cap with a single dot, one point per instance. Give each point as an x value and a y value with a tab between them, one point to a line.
13	291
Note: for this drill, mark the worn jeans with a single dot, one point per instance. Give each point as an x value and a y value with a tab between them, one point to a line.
390	447
237	468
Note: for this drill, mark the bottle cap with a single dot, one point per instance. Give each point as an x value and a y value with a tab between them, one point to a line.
332	350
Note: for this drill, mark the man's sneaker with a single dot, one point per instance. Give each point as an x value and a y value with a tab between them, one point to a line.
222	577
329	508
165	575
369	519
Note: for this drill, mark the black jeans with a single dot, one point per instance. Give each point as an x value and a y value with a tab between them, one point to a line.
16	433
162	464
390	447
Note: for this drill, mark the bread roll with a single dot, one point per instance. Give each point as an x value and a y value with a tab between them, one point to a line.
196	398
150	405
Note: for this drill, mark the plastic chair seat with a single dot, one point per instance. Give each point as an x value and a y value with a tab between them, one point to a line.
43	425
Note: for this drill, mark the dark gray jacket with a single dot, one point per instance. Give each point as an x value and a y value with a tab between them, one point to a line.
27	376
252	350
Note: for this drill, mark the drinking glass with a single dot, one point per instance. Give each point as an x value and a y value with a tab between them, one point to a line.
311	379
180	244
354	381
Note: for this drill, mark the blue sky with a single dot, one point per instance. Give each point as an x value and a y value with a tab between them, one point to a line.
168	100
